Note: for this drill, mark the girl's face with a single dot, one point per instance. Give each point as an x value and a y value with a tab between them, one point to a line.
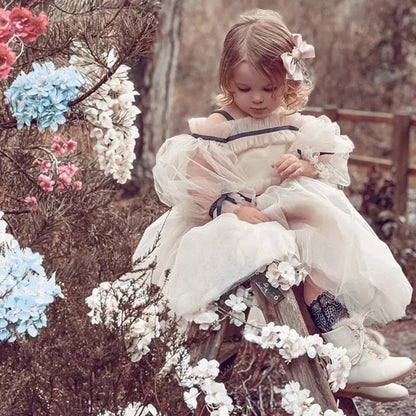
253	92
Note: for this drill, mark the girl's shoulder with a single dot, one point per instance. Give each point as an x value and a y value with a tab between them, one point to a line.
220	123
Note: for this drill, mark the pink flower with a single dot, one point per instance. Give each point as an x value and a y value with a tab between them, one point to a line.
5	33
58	146
70	169
78	185
45	166
46	183
32	202
26	26
71	146
61	186
7	59
65	174
65	178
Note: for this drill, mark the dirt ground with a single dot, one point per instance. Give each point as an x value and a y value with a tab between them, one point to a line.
401	341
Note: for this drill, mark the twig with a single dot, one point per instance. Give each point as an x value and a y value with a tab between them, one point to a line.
18	165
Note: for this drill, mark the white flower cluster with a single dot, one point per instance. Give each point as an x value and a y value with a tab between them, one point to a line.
106	303
284	275
134	409
202	376
199	378
208	317
291	345
112	113
298	403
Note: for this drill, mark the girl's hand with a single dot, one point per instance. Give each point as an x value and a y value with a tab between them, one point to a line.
251	215
290	167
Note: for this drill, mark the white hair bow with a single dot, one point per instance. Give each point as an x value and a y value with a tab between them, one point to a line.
292	61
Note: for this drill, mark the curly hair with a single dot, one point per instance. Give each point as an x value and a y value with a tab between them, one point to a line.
260	37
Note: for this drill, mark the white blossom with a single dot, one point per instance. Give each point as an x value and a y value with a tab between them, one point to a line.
291	345
236	303
313	343
206	369
111	107
294	400
190	397
314	410
134	409
284	274
331	412
206	318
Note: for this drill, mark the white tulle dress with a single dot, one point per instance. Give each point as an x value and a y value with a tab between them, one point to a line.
312	220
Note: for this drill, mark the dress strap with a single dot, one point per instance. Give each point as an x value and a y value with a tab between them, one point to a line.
224	113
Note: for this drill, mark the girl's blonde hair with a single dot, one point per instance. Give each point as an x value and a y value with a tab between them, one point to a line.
260	37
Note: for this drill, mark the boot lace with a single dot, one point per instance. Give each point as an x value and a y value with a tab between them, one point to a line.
367	341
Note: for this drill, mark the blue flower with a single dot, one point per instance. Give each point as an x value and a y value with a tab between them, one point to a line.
43	95
25	293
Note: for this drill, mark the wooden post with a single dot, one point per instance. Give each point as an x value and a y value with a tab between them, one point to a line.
307	372
331	111
400	159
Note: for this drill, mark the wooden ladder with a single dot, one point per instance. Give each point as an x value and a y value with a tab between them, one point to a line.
291	311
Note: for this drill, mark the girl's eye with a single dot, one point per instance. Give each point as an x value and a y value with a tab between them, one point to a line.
271	89
244	89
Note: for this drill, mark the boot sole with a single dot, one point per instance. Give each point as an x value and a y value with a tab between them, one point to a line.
384	382
351	395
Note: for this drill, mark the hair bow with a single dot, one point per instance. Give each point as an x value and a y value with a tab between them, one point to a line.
292	61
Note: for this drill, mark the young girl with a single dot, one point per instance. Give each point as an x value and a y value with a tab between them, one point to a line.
258	182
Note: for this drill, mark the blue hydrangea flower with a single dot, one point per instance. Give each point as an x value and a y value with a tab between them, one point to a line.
25	293
43	95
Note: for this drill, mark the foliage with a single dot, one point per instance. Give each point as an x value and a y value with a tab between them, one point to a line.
378	208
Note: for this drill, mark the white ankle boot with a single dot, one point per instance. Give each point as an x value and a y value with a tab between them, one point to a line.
388	393
371	364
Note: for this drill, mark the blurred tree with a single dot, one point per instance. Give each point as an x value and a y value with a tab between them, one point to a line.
155	78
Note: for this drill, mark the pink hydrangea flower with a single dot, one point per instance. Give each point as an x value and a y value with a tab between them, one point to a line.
7	59
26	26
71	146
59	146
46	183
5	33
32	202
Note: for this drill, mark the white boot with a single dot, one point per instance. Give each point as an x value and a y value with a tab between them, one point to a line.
371	363
388	393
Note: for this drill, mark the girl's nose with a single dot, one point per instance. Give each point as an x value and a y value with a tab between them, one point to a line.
257	98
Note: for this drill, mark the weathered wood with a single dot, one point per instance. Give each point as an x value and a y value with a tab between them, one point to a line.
211	347
331	112
354	115
357	115
401	134
309	373
346	404
401	139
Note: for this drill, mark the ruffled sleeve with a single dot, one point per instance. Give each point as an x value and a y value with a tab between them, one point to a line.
320	141
192	173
